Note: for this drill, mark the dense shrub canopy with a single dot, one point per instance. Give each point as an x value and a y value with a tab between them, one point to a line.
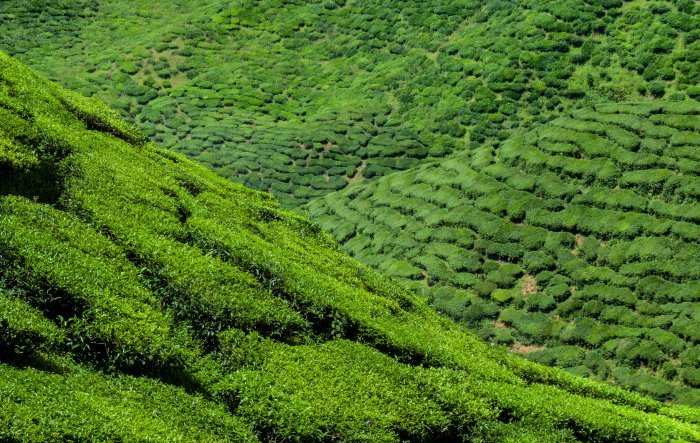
583	233
304	98
530	169
145	298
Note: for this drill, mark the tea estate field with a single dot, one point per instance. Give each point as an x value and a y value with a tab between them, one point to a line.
305	98
575	245
144	298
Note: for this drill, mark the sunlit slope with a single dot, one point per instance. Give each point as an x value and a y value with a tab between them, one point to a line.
145	298
302	98
575	244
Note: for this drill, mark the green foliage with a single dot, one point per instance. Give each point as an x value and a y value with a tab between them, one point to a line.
25	330
300	87
580	237
79	404
564	356
581	232
147	299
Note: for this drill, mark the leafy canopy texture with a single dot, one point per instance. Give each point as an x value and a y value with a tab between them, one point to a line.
302	98
145	298
575	244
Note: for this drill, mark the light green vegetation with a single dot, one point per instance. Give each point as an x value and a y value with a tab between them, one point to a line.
579	239
301	98
531	169
143	298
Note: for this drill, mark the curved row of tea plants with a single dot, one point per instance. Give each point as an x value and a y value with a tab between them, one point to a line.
302	98
144	298
575	244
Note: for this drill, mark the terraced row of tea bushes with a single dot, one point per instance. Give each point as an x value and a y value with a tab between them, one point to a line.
293	163
147	298
575	244
67	402
302	99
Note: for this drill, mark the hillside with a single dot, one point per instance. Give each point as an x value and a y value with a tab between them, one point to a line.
302	98
145	298
575	244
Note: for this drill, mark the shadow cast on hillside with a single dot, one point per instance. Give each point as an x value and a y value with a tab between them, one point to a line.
42	183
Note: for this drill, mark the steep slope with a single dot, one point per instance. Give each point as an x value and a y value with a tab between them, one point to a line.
145	298
302	98
575	244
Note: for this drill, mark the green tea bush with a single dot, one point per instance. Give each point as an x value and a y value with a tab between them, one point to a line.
535	325
25	330
691	376
540	302
479	310
563	356
668	341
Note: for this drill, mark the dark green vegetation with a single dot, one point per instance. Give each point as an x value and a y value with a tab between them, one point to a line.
301	98
530	168
144	298
577	244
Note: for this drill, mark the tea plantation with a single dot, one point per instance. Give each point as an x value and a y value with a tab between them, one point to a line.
495	236
143	298
303	98
576	244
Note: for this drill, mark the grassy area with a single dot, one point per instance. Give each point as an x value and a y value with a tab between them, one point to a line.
575	244
302	98
144	298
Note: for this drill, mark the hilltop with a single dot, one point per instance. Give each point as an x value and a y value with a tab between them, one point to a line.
575	244
304	98
145	298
